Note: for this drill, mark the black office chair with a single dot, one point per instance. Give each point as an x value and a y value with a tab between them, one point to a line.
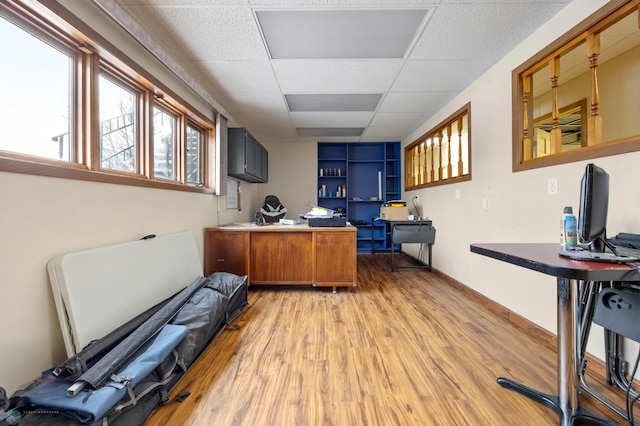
412	233
272	210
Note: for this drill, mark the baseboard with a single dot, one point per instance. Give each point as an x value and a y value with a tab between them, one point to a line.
545	337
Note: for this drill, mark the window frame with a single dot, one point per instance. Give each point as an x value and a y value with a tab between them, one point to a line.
54	25
435	132
122	80
595	23
201	154
178	140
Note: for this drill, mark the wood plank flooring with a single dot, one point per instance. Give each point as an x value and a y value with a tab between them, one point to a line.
402	348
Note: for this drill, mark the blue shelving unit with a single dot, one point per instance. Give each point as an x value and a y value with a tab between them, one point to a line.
370	173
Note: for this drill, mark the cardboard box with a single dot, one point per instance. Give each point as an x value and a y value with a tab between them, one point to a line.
394	213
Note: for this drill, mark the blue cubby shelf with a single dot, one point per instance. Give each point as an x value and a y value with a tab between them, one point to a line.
362	165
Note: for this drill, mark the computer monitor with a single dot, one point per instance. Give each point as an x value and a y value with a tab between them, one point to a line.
594	205
592	221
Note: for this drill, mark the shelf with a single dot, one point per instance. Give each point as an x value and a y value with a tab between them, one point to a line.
364	163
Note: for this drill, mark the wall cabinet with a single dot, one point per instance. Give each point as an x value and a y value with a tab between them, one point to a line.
248	159
356	178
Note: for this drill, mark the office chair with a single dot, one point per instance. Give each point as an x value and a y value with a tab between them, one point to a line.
412	233
272	210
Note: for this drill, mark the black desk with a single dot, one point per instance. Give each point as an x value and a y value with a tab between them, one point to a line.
544	258
410	234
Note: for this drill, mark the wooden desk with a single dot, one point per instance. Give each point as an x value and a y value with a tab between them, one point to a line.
284	254
544	258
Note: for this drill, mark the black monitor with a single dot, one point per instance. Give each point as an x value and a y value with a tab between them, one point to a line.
592	220
594	204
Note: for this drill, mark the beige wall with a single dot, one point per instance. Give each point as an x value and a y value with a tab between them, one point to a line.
292	176
519	208
41	218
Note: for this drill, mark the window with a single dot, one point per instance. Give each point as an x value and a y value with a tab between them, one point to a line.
577	98
35	81
118	118
164	144
72	109
442	155
195	138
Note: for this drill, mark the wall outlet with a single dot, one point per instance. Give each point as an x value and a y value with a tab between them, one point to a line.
552	186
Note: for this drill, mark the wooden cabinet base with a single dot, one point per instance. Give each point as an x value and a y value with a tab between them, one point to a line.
284	255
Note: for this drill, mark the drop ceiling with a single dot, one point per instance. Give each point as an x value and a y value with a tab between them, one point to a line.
336	70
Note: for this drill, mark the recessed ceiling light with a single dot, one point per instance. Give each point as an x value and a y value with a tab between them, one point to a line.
329	131
333	102
315	34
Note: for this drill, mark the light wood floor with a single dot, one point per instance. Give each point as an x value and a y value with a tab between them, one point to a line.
402	348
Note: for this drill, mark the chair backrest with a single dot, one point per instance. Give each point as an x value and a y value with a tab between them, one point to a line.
414	233
272	210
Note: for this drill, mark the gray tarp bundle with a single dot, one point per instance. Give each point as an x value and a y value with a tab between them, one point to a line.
76	365
205	308
98	374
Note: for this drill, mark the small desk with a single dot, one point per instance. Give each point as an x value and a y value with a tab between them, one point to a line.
543	257
409	236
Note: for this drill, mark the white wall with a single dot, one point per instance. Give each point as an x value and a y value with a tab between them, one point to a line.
519	208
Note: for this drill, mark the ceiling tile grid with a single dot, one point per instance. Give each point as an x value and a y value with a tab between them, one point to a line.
444	46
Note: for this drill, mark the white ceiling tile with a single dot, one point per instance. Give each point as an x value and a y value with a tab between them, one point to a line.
250	102
332	76
396	119
265	120
423	102
184	2
274	133
243	76
424	76
331	119
385	133
204	33
477	31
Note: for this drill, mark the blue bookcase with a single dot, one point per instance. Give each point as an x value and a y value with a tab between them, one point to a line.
356	178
